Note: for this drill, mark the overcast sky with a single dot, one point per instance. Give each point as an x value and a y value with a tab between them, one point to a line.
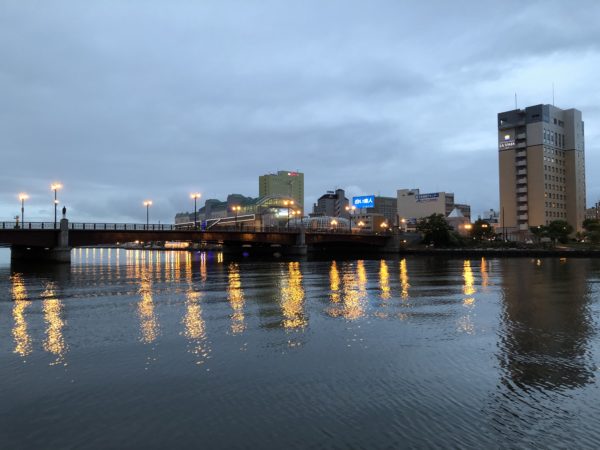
127	100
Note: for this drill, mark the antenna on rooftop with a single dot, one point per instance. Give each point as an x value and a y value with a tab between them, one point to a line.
516	107
553	93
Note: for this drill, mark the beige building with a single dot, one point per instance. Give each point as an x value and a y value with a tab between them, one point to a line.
285	183
542	167
413	205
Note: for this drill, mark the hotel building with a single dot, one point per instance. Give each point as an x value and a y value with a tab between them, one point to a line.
284	183
542	167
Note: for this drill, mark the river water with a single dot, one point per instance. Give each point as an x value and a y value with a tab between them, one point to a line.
143	349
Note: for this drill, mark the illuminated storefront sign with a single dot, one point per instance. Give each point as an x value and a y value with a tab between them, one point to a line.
364	201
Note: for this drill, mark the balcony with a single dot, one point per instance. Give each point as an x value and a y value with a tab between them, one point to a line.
522	190
521	153
522	172
521	162
523	217
521	136
522	179
523	226
522	208
522	198
521	144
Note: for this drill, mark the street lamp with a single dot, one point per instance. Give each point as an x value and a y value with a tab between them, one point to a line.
55	187
288	204
384	226
351	210
23	197
403	222
195	196
236	209
147	204
334	224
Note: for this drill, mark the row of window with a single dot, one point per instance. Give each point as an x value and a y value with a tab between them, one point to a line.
552	151
553	187
554	196
554	138
556	214
554	169
556	205
553	178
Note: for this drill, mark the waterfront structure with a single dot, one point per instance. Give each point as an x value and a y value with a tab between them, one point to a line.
270	210
457	220
283	183
333	203
412	205
541	155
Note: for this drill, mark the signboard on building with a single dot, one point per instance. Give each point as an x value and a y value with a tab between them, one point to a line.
507	144
427	197
364	201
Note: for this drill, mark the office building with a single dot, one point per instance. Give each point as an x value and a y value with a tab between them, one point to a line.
283	183
387	207
333	204
412	205
541	156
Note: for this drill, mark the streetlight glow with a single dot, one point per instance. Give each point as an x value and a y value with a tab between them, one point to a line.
147	204
55	187
195	196
23	196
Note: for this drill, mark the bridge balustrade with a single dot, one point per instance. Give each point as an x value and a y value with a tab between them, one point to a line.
239	228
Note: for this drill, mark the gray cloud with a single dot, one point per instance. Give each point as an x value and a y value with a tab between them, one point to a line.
123	101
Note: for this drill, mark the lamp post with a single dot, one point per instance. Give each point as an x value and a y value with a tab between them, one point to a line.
147	204
403	222
351	210
288	204
55	187
334	224
195	196
384	226
23	197
236	209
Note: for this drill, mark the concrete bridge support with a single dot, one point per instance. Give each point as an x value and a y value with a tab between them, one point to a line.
300	248
61	253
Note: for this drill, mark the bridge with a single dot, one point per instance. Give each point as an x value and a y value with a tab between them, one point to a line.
50	242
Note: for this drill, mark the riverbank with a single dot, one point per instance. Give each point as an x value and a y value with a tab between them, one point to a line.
503	252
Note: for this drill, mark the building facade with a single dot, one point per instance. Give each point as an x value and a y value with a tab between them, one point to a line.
284	183
387	207
541	155
412	205
333	204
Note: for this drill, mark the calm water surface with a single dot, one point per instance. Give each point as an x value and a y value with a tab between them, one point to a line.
142	349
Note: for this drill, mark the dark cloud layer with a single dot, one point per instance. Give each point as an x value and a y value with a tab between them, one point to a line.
123	101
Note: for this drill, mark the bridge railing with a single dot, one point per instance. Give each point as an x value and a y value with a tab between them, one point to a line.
233	228
29	225
122	226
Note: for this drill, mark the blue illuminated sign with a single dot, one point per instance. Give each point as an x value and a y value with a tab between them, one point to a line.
365	201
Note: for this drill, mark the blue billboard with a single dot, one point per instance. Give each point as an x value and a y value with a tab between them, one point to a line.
364	201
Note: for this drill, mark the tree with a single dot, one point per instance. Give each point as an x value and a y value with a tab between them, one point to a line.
436	230
592	230
482	230
559	230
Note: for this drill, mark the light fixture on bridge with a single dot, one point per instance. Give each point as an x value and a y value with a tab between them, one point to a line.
147	204
23	196
195	196
55	187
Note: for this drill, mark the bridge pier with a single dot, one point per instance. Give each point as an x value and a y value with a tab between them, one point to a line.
61	253
300	249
